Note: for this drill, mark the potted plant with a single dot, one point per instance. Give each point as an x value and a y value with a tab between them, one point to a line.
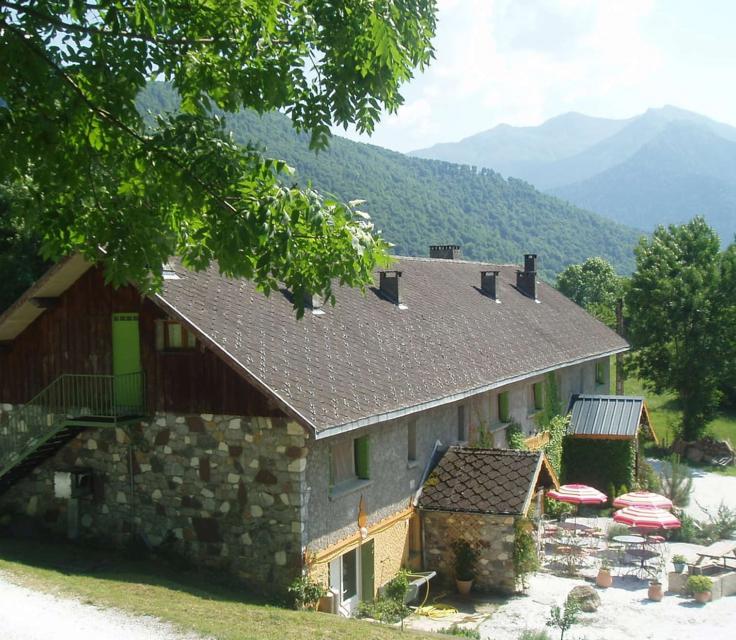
306	593
679	561
466	559
700	587
655	592
604	578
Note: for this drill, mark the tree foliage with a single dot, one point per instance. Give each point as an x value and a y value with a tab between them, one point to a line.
594	285
99	176
681	322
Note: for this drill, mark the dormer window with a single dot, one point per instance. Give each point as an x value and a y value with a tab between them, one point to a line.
173	336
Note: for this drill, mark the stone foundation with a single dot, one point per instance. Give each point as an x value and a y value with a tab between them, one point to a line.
493	536
225	492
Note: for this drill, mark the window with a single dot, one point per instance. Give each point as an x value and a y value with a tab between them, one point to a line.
461	423
503	407
411	441
349	460
600	372
538	396
173	336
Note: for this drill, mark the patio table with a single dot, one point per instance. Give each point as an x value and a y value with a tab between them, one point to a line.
574	527
629	540
643	555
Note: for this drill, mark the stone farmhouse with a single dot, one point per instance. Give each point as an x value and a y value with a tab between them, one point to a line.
208	421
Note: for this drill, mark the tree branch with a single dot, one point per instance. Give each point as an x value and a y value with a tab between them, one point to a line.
108	117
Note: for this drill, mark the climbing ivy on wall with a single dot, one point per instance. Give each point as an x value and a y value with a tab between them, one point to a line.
557	428
599	463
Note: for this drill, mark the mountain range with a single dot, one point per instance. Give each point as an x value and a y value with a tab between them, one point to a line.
417	202
663	166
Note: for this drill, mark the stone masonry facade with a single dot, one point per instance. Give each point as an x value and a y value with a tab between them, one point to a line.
491	535
225	492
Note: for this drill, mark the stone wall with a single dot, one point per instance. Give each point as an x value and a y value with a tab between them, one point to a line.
493	536
226	492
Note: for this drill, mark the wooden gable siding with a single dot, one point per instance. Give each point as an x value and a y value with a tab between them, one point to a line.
76	337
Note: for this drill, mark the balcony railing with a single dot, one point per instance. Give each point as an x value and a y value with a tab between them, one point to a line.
71	398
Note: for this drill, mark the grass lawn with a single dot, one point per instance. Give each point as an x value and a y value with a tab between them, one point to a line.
191	601
666	416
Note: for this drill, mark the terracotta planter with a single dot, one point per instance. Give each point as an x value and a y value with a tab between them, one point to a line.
464	586
655	592
604	579
702	596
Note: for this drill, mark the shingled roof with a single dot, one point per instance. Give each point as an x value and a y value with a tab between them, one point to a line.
489	481
366	359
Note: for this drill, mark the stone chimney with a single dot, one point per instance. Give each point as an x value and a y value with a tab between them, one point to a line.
526	281
390	285
489	283
446	251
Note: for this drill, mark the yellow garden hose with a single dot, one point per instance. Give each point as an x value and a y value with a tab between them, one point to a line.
433	611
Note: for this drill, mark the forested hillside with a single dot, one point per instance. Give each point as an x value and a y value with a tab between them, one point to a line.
418	202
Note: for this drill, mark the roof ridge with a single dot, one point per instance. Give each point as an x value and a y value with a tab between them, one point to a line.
456	261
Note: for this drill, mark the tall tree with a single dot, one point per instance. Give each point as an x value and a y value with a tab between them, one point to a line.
594	285
676	323
728	307
99	176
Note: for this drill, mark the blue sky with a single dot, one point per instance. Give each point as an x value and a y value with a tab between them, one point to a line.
524	61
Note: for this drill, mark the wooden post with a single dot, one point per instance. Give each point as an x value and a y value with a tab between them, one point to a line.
620	356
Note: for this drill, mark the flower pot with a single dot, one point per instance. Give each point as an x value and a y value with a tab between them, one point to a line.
702	596
679	567
655	591
604	578
464	586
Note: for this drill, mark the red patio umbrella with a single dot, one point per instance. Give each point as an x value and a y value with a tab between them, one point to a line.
646	518
642	499
577	494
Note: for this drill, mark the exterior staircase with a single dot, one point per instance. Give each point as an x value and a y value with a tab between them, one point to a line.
34	432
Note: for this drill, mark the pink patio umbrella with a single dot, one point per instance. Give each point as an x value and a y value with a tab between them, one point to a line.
646	518
577	494
642	499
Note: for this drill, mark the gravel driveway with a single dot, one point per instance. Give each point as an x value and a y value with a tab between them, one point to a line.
30	615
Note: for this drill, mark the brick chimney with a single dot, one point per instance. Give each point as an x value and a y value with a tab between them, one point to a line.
446	251
390	285
526	281
489	284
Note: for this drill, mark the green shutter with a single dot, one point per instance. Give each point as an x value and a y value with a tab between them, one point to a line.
503	406
367	571
538	395
362	456
600	373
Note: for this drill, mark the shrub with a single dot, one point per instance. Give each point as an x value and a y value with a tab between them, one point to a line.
384	610
466	558
564	618
557	508
306	592
677	483
461	632
526	560
397	587
515	437
527	634
689	531
699	584
617	530
678	558
721	525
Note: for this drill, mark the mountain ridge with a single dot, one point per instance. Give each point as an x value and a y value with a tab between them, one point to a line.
417	202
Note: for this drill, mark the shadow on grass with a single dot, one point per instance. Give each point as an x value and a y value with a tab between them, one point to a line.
85	559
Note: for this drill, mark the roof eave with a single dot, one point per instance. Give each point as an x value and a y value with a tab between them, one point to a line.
455	397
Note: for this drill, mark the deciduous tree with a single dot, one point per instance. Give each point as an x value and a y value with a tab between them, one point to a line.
594	285
100	176
677	323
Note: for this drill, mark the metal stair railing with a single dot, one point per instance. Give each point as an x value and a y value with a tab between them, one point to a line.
81	397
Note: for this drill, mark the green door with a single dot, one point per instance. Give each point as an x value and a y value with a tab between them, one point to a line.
367	571
126	361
